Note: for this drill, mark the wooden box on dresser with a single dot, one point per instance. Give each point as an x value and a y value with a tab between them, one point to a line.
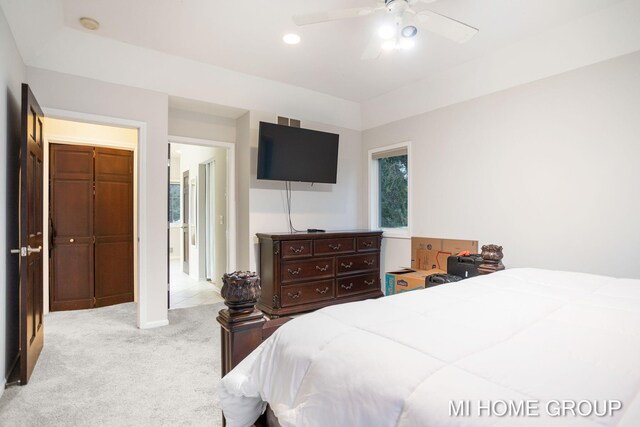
306	271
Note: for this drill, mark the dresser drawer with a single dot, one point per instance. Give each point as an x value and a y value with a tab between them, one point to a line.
334	246
307	292
357	284
353	263
296	248
292	271
368	243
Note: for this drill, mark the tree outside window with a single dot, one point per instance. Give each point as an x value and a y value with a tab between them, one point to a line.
393	177
174	202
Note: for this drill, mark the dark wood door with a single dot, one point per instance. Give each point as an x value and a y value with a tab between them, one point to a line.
31	226
71	284
113	226
185	222
91	226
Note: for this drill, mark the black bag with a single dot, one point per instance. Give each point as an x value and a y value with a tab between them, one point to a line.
464	266
439	279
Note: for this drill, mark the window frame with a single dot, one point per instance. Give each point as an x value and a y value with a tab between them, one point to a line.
172	183
374	191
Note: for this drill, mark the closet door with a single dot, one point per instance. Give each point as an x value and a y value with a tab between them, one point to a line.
71	189
113	226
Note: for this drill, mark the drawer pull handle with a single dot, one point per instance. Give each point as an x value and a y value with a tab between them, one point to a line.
369	283
335	247
325	268
347	287
346	265
369	262
323	291
294	272
294	295
297	250
367	244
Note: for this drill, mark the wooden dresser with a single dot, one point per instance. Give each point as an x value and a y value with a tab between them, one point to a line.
306	271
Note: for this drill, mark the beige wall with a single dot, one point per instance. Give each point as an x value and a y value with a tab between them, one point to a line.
243	156
89	132
195	124
547	169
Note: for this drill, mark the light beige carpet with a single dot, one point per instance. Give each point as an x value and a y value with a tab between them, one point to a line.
98	369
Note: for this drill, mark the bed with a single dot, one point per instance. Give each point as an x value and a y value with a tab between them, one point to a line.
517	347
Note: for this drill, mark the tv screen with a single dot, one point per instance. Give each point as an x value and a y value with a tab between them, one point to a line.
294	154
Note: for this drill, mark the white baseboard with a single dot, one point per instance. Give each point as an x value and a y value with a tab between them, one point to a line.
156	324
3	384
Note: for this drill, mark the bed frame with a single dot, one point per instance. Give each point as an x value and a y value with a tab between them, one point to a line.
242	331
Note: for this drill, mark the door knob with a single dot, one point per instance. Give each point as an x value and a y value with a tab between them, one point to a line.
72	240
31	250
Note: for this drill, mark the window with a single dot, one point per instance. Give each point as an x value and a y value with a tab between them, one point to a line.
389	182
174	202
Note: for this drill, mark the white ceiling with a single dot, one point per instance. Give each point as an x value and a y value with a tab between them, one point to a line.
245	36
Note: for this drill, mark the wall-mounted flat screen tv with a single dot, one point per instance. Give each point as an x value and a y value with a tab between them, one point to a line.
294	154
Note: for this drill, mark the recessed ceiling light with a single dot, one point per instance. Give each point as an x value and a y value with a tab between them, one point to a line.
291	38
89	23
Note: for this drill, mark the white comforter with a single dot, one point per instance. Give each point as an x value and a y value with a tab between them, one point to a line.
517	336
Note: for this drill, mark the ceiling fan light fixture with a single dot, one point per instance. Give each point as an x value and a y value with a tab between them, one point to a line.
407	44
291	38
388	45
386	32
409	31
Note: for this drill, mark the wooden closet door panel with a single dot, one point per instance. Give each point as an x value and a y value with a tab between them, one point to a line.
73	289
113	226
71	173
72	209
114	272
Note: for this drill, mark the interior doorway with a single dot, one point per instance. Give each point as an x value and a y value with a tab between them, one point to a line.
90	226
198	223
109	244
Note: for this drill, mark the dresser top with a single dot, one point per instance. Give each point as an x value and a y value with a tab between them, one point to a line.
317	235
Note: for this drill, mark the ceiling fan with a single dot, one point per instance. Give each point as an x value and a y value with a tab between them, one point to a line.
402	24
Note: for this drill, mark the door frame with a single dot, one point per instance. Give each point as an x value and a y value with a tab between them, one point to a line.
231	189
141	284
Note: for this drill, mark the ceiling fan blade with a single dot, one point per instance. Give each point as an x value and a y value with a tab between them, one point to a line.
445	26
332	15
373	50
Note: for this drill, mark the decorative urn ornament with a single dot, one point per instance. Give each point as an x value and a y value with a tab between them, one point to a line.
492	256
241	290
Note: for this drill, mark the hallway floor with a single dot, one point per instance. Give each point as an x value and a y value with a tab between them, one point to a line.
186	291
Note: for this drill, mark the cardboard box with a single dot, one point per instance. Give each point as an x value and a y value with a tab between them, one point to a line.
428	253
407	280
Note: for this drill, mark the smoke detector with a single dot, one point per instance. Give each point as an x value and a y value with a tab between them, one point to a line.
89	23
